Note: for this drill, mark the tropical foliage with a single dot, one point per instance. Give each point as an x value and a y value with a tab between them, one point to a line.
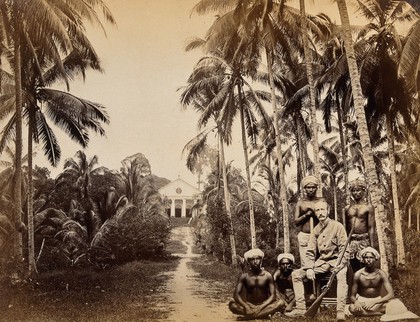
361	80
266	65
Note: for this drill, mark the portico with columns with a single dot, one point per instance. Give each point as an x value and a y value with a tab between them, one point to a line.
182	197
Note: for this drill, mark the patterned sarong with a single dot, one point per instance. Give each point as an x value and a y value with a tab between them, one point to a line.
357	243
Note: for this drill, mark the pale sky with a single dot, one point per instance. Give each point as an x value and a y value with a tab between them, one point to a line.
145	63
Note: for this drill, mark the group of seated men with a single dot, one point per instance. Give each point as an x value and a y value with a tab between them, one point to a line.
327	248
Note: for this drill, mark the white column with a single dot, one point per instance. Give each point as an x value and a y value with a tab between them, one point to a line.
184	208
173	208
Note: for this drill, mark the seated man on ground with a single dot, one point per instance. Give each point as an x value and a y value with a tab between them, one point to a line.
283	280
254	296
327	252
365	295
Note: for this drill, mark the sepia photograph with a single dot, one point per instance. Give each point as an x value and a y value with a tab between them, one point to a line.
209	160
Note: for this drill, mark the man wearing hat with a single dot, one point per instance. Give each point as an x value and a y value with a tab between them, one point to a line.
366	296
254	296
361	215
283	280
304	214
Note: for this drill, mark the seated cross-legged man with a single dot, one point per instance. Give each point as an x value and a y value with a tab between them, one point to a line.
326	244
254	296
366	296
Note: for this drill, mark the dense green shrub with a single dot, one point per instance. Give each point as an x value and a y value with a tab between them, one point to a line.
129	236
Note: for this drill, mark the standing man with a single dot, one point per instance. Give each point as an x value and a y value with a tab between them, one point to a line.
304	214
254	296
362	215
283	280
329	241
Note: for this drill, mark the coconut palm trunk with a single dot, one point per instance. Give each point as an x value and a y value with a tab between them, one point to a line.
311	83
18	149
343	150
227	199
248	175
409	216
334	187
394	188
31	242
282	187
372	178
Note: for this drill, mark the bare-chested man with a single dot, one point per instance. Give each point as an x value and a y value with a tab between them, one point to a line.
254	296
368	282
362	216
283	280
304	211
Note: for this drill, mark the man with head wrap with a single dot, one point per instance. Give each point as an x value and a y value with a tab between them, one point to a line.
304	214
361	215
283	280
254	296
365	294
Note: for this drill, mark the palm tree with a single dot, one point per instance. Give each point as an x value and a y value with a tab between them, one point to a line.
29	20
312	97
204	100
410	56
278	29
235	99
372	177
388	100
333	167
7	188
247	22
81	171
132	174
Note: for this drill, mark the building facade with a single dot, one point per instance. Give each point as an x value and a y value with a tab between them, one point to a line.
182	197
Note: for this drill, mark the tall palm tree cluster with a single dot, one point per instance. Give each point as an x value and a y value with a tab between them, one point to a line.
277	69
44	42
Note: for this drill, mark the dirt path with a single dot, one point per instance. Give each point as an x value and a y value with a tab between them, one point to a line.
191	297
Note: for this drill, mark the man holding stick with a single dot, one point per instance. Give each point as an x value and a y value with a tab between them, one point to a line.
305	218
329	240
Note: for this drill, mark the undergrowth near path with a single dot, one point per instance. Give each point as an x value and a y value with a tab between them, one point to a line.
132	292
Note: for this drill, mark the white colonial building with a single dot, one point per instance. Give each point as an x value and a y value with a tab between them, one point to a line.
182	197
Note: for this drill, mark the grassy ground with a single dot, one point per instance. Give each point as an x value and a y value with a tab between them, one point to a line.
138	291
133	292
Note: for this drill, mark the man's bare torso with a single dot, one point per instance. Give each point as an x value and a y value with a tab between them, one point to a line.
305	205
370	284
358	215
257	287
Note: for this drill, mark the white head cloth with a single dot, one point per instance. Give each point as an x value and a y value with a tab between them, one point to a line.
252	253
285	255
358	183
371	250
309	179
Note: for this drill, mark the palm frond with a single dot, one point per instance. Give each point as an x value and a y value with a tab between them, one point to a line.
44	133
410	57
